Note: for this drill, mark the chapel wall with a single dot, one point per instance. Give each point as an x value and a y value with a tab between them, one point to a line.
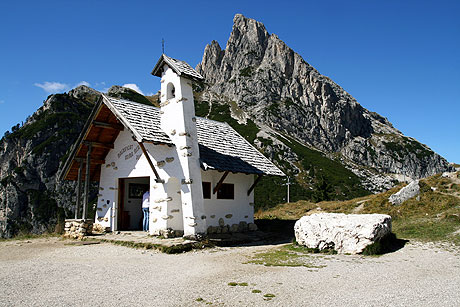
229	211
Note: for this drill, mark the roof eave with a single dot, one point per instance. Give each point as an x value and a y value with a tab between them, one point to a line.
122	119
78	143
159	64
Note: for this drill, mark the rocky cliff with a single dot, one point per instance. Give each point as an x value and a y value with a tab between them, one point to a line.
31	198
284	96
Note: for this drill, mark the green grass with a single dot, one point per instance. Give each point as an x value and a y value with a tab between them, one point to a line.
234	284
428	229
433	216
287	255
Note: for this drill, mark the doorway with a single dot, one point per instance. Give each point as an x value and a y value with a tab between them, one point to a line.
130	194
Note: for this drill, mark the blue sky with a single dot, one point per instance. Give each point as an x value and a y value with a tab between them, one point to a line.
400	59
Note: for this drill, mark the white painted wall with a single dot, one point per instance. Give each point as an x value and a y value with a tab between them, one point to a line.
179	122
241	208
127	161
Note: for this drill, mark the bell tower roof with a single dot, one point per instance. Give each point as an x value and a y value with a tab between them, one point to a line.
181	68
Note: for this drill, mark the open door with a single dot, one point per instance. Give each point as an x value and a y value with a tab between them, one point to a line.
130	191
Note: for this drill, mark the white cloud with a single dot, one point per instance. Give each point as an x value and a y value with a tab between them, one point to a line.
53	87
82	83
133	87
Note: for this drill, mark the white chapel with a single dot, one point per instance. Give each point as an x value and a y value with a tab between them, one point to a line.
200	173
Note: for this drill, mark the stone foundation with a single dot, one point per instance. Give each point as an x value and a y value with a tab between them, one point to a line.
241	227
77	229
170	233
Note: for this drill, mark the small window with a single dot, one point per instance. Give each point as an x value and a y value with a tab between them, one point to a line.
170	91
206	190
226	191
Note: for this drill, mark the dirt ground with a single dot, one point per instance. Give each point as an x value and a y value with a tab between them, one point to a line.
54	272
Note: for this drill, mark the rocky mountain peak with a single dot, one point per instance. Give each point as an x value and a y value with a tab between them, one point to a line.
85	93
277	89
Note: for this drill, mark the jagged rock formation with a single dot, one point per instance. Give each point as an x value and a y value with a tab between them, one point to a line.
284	95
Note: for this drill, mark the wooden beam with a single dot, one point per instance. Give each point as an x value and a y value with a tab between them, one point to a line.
77	206
93	161
159	180
219	184
87	175
99	144
118	127
254	184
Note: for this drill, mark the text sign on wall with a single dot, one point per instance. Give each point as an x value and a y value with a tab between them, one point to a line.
129	151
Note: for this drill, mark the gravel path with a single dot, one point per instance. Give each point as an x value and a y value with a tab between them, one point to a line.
50	272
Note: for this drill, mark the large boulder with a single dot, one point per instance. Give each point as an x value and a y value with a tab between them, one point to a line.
346	233
409	191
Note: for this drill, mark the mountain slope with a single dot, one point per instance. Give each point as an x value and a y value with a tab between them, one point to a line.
282	94
31	198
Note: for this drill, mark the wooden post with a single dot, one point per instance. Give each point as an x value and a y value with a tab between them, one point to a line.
219	184
77	207
254	184
87	175
158	179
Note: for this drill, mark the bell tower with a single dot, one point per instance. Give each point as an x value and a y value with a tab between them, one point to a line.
179	123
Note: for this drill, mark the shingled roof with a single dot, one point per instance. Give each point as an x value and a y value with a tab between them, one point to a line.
179	67
221	147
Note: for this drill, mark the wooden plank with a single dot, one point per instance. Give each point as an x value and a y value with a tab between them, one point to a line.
87	175
77	206
118	127
93	161
219	184
159	180
254	184
99	144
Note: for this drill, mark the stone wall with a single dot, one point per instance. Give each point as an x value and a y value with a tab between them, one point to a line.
77	229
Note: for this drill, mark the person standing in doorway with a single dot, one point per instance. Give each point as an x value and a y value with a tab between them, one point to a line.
145	210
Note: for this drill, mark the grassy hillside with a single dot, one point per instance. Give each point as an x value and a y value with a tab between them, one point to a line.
433	216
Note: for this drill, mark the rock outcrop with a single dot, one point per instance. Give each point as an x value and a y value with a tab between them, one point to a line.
409	191
278	90
344	233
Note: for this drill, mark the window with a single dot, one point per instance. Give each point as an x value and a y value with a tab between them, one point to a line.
170	91
226	191
206	190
